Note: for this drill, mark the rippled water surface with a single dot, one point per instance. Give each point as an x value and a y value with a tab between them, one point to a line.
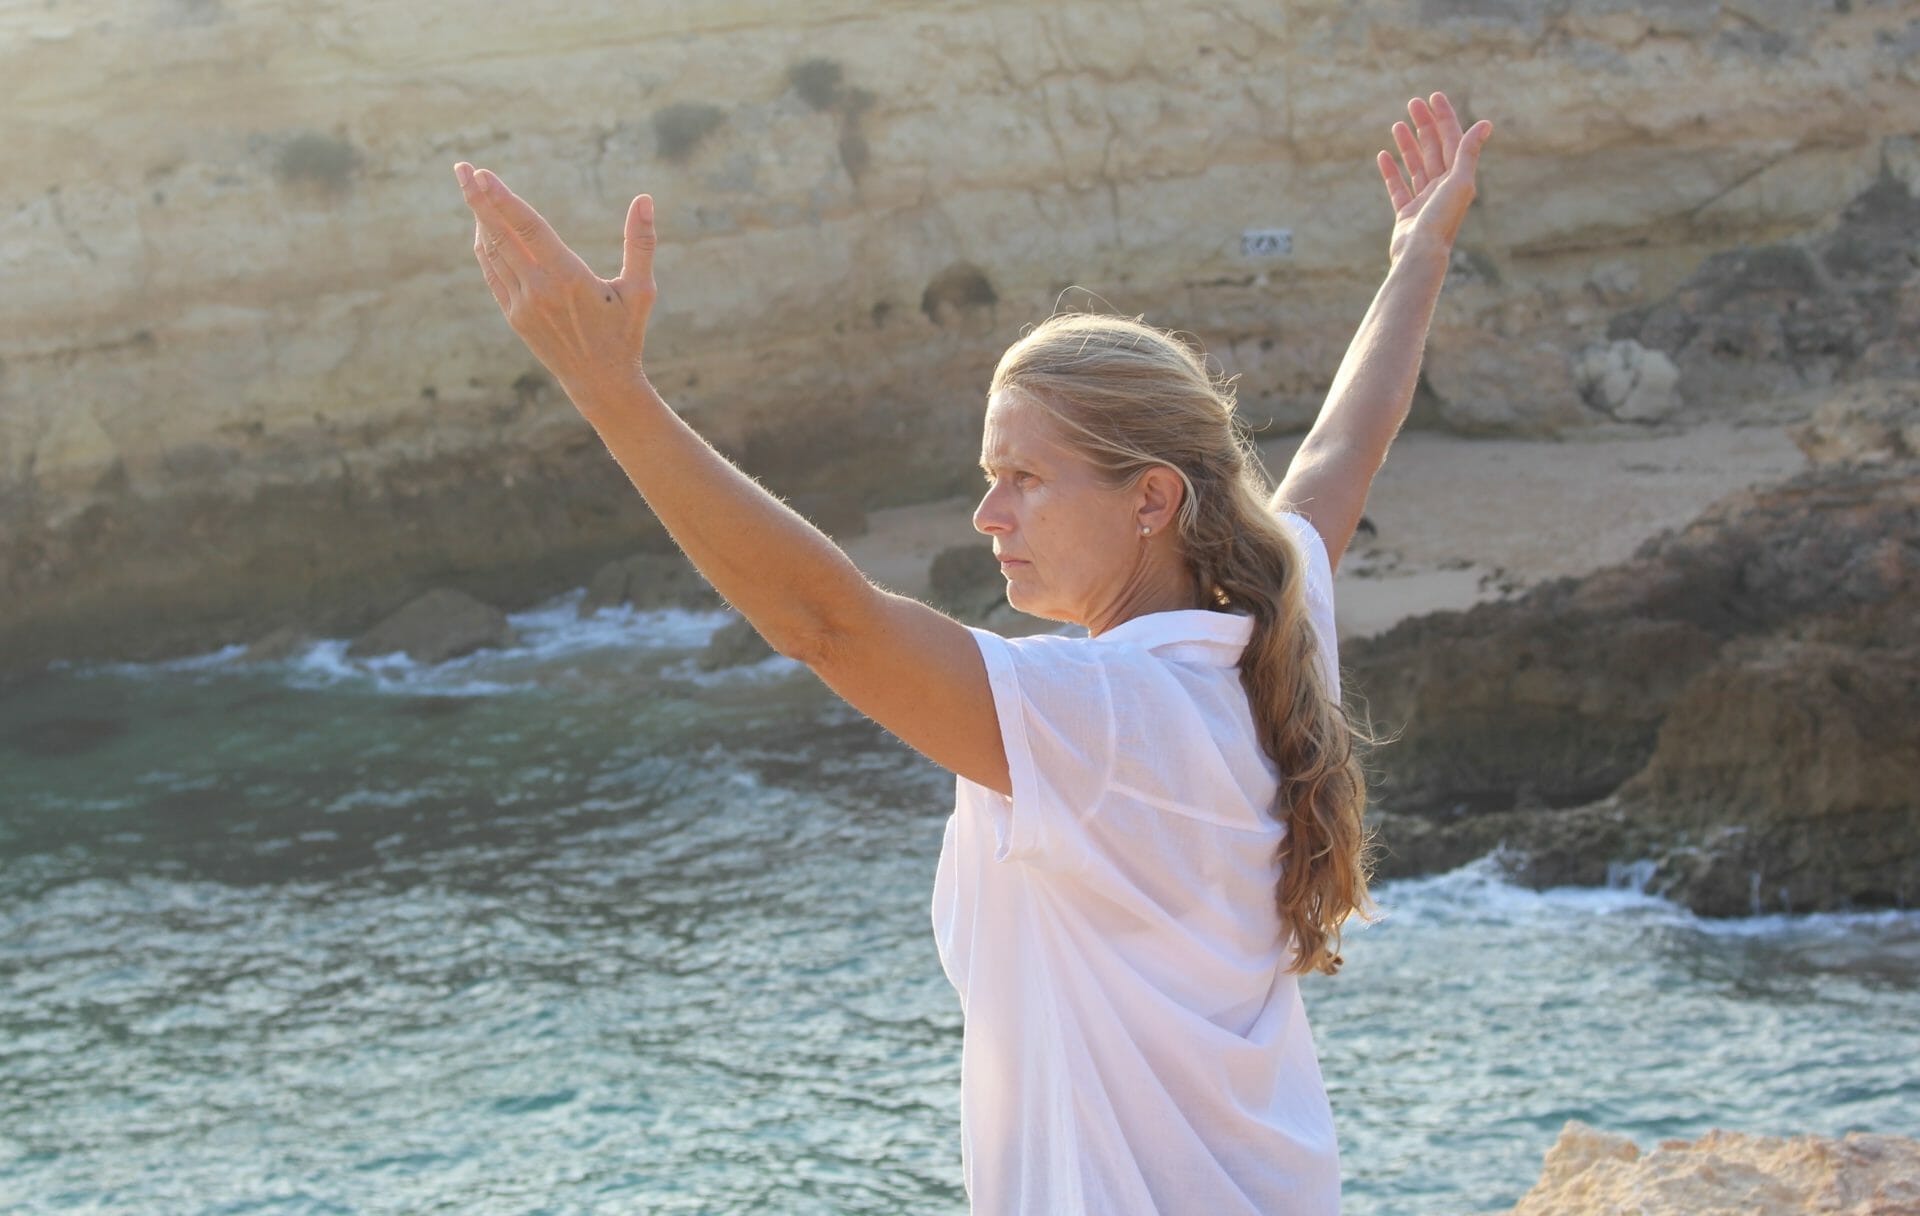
579	928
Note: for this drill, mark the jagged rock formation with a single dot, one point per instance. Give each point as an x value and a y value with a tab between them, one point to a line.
1736	703
1755	323
1592	1173
249	377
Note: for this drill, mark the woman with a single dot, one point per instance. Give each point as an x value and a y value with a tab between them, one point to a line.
1157	827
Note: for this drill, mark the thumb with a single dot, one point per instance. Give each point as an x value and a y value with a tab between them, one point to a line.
636	267
1471	143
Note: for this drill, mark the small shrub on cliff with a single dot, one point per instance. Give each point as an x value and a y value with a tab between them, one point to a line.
320	161
681	127
817	81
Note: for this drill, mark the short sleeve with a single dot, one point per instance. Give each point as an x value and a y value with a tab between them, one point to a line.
1319	596
1055	710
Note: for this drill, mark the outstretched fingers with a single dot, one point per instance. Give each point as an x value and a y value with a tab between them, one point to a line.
1418	171
1397	192
501	280
513	213
1426	128
501	241
1449	121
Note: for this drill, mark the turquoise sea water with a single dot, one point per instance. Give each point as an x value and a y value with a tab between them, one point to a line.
577	928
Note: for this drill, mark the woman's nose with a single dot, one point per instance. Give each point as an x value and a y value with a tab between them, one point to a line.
988	517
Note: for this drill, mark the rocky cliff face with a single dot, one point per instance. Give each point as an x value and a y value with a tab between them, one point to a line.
249	376
1735	705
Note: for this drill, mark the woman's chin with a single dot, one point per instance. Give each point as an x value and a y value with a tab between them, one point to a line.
1031	605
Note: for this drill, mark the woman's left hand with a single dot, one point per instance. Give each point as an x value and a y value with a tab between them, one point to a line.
1431	199
585	329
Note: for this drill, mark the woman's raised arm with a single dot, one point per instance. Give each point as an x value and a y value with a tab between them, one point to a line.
1330	475
915	671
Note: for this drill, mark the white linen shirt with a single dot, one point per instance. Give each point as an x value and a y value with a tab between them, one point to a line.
1133	1041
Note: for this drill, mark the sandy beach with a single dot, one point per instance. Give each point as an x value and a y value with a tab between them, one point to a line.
1457	521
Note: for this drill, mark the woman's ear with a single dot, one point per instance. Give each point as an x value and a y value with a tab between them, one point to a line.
1161	491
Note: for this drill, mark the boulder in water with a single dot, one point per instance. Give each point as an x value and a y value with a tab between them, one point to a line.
440	625
282	643
649	580
736	644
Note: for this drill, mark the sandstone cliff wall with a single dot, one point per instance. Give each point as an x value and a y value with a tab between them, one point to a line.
249	375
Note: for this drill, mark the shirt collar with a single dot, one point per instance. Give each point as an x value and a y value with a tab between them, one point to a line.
1223	634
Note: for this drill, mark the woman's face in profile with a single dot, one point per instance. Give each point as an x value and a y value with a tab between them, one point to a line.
1067	543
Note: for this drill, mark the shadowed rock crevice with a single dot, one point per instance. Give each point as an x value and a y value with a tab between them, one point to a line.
956	291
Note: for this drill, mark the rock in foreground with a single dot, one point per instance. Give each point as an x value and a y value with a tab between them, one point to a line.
1591	1173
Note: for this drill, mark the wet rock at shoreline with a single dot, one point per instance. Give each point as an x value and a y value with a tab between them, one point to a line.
281	644
648	580
735	644
440	625
1589	1172
1786	775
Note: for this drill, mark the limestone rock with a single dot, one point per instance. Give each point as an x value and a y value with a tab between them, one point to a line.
1807	313
648	580
440	625
965	581
838	515
1869	423
1628	381
1484	384
1591	1173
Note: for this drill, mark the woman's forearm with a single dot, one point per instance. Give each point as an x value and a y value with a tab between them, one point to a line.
771	565
1373	388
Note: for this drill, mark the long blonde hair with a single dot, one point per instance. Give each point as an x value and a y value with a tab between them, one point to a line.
1129	397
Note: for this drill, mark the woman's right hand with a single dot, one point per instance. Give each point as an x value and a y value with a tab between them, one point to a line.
1431	199
588	331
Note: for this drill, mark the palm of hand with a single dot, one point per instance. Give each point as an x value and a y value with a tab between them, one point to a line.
1431	198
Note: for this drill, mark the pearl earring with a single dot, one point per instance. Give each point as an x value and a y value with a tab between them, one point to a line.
1145	530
